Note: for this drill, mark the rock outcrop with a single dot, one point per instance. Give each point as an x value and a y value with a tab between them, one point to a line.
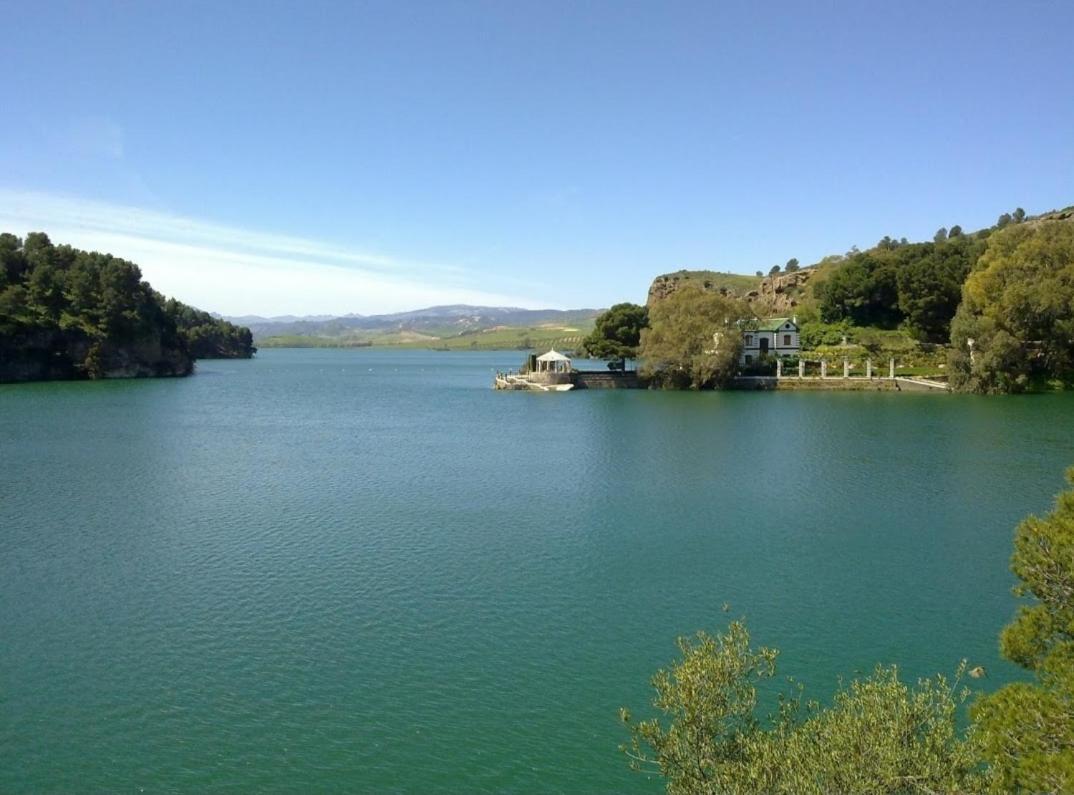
781	293
771	295
54	355
665	285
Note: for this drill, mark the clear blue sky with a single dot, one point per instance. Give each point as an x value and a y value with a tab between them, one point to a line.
384	155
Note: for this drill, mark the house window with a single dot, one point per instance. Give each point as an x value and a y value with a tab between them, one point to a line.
786	340
749	340
749	359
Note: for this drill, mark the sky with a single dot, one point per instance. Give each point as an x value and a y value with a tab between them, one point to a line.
333	157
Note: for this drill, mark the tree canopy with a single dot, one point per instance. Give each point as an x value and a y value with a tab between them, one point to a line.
66	313
1027	728
879	736
208	337
915	284
863	291
693	339
617	333
1018	309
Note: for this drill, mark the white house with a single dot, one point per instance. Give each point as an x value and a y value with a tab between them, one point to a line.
774	336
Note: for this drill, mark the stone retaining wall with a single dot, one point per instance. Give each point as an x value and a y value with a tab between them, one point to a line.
605	380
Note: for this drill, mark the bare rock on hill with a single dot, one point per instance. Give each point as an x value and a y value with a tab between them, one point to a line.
782	292
665	285
769	295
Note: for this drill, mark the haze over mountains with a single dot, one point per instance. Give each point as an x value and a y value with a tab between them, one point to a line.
434	322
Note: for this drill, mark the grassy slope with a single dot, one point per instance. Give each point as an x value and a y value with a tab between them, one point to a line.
505	337
714	280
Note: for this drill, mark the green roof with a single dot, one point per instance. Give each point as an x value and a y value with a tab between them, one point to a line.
773	323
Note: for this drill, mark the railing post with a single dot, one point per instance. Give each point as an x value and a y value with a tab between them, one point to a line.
891	368
801	368
823	368
869	369
846	368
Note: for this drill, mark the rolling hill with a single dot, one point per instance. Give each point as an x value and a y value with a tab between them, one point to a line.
457	326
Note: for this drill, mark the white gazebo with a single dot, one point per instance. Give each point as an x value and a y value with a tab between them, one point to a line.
553	362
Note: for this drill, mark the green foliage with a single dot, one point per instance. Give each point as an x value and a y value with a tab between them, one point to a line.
710	698
1027	728
712	280
617	333
814	334
929	281
208	337
693	340
764	366
66	313
918	285
879	736
864	291
773	270
878	345
791	266
888	243
1018	308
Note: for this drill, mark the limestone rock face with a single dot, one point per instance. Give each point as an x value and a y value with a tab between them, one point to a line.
773	295
780	293
665	285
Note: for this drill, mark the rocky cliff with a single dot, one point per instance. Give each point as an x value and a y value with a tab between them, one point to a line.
48	355
770	295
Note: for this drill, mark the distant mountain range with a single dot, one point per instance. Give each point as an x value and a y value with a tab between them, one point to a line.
432	323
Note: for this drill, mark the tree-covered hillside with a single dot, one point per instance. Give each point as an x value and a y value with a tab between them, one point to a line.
1014	330
993	308
208	337
67	313
915	285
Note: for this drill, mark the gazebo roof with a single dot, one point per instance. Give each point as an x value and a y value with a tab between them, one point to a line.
553	356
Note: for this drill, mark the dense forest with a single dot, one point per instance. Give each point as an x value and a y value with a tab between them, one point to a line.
208	337
915	285
1001	299
67	313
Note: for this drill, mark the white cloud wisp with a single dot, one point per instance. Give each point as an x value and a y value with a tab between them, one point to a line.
238	271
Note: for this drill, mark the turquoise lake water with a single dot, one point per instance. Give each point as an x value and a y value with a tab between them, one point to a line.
366	571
